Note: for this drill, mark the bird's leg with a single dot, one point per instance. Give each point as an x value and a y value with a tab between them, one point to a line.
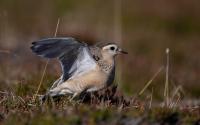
74	95
56	83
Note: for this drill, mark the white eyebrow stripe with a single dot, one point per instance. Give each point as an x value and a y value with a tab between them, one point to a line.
109	46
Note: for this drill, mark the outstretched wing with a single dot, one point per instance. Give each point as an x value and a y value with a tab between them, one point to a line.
74	56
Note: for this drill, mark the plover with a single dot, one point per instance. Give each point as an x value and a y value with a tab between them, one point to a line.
84	68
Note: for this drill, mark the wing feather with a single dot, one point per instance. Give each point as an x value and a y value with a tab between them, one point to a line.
75	57
54	47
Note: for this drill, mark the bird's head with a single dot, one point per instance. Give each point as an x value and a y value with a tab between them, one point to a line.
111	49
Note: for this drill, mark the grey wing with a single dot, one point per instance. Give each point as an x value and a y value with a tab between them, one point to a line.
74	56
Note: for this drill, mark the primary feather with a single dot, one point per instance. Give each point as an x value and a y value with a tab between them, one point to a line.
55	47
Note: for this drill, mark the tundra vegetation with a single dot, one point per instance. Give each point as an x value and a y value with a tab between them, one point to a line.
156	83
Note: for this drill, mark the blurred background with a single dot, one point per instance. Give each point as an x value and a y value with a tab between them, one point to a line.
144	28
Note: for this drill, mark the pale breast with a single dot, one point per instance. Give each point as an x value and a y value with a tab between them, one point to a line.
91	81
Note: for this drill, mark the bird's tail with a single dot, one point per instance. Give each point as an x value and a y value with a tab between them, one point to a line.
49	95
55	92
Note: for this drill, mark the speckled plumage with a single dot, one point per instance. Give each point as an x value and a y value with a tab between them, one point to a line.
97	55
85	68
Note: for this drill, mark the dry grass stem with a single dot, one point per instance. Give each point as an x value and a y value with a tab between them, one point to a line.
150	81
151	99
42	78
175	93
166	91
45	68
57	26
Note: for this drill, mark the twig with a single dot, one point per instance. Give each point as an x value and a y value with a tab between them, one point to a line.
45	68
21	99
151	98
176	92
173	105
166	91
150	81
57	26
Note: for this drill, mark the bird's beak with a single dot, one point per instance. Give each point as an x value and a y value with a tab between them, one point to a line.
120	51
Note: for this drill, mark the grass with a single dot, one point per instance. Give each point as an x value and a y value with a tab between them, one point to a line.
150	81
164	99
108	106
166	91
45	68
20	105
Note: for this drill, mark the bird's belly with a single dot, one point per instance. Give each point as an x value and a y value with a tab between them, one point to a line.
91	81
95	88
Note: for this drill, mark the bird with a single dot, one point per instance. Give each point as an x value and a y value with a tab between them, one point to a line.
85	68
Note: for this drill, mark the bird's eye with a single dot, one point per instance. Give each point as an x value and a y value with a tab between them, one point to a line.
112	48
